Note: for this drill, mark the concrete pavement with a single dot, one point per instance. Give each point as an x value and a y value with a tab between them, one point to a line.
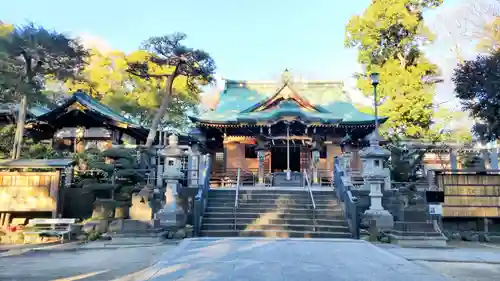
89	264
204	259
458	255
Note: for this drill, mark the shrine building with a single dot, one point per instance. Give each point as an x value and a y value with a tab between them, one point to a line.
283	128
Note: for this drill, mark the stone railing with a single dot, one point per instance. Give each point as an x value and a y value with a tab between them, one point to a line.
343	188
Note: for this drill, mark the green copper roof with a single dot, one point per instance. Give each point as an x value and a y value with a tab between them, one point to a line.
91	105
240	101
287	108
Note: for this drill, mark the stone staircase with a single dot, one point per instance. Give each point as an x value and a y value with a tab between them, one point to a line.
415	229
274	213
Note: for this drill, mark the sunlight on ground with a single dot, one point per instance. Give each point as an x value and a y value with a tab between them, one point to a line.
171	269
81	276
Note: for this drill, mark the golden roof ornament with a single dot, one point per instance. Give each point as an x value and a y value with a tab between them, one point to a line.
286	76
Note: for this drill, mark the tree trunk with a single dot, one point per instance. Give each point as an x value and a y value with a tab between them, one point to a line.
21	119
161	111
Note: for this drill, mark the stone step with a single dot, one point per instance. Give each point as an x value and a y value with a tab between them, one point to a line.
272	201
280	234
270	205
276	227
415	233
273	209
261	210
272	215
301	195
222	191
265	220
256	215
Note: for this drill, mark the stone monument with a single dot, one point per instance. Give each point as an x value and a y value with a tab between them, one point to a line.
172	213
373	158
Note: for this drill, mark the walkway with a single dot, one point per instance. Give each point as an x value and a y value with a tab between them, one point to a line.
490	254
235	259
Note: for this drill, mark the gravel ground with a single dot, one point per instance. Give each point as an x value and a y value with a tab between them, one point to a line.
83	264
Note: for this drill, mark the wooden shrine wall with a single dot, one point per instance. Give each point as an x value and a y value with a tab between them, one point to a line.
29	191
470	195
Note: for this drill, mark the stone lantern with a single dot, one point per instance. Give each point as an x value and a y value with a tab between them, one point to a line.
172	214
373	158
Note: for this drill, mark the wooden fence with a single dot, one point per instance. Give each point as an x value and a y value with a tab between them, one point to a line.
29	191
470	194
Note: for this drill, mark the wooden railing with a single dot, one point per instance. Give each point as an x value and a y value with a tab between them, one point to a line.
228	177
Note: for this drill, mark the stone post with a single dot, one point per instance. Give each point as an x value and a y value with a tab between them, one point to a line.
485	153
494	156
172	213
261	154
453	159
373	158
194	166
315	161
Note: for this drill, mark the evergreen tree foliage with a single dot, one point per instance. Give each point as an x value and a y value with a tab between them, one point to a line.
113	174
389	36
477	85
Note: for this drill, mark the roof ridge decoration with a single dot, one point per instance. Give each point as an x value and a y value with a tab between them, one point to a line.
285	91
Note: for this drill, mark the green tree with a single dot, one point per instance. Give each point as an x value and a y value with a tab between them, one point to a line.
31	149
5	29
113	177
168	59
477	85
449	125
29	54
106	78
389	36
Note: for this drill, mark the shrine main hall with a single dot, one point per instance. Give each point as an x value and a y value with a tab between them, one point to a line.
283	128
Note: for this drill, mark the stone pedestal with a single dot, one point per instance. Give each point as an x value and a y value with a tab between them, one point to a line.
141	209
171	213
373	158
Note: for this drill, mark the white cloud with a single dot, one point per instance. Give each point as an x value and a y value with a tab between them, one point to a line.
95	42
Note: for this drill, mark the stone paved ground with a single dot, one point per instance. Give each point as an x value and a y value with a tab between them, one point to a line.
478	254
82	264
252	259
466	262
461	271
286	259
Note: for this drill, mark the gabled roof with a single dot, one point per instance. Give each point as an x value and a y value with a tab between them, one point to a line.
82	101
244	102
34	111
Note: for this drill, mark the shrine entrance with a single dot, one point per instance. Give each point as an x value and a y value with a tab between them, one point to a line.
279	158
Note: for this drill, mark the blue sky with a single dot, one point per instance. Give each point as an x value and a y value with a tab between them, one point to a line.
253	40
